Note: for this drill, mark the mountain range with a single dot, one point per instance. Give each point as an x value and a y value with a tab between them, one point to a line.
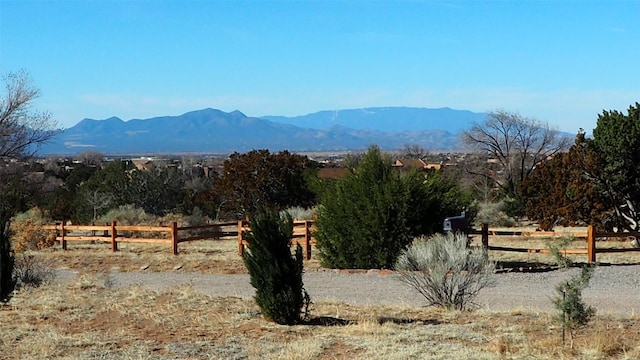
215	131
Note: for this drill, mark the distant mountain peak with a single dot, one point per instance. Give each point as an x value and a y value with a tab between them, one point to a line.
210	130
394	119
238	114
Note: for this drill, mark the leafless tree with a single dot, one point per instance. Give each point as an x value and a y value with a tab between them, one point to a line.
90	157
22	129
98	201
414	151
516	144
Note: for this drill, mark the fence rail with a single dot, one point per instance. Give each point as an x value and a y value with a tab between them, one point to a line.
302	230
111	233
590	236
173	234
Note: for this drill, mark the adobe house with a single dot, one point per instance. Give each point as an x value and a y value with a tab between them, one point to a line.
408	164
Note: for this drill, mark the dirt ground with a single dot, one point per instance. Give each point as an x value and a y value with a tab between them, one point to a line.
142	302
523	282
613	289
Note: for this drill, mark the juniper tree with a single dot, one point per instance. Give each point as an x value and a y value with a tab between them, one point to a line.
573	313
374	213
275	273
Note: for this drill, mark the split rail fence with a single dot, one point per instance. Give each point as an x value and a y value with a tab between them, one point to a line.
302	230
172	234
590	236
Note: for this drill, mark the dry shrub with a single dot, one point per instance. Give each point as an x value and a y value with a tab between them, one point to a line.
32	271
129	215
445	271
196	218
494	215
28	233
300	213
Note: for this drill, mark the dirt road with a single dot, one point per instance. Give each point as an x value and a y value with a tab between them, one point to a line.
613	289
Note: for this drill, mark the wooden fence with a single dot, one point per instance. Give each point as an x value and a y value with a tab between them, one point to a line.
590	236
113	233
173	235
302	230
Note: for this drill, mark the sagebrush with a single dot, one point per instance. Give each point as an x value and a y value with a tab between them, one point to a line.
445	271
31	270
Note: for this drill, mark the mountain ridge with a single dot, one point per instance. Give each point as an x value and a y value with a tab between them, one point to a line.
214	131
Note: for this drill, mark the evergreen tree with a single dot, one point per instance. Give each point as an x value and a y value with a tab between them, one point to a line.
362	223
275	273
374	213
573	313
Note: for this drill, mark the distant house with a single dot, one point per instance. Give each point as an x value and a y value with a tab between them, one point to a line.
409	164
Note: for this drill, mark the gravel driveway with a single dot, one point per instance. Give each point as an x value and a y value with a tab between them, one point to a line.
613	289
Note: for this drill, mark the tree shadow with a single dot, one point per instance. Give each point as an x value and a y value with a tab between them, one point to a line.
523	267
327	321
614	264
332	321
405	321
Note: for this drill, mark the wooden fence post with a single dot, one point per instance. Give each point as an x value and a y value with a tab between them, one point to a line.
62	240
485	236
240	244
307	239
174	237
114	234
591	244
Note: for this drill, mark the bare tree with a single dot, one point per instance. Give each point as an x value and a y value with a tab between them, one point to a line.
414	151
21	128
21	131
90	157
516	144
98	201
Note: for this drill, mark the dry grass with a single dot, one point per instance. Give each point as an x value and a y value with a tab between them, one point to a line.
87	319
205	256
90	319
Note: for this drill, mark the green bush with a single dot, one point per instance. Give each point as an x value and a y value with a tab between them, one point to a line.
362	222
557	248
374	212
275	273
445	271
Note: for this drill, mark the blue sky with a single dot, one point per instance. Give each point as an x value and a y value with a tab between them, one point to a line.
561	62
